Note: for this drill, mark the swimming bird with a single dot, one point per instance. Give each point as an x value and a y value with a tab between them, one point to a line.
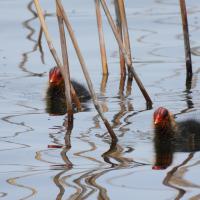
173	136
55	94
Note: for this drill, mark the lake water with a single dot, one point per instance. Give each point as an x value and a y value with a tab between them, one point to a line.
93	168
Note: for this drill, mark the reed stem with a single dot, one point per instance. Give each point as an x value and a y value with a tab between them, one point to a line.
49	42
119	28
84	69
101	38
128	61
188	58
65	65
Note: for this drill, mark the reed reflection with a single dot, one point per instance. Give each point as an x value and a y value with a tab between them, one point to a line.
37	43
84	183
67	166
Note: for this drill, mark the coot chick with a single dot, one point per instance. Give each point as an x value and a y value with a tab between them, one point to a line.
171	136
164	123
55	94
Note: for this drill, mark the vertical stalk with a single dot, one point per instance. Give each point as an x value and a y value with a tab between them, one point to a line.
125	28
48	38
46	33
101	38
119	28
65	65
128	61
188	58
85	72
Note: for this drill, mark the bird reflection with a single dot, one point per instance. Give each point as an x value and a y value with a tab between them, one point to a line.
171	136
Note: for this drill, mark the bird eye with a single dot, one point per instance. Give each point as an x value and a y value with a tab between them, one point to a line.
59	75
165	113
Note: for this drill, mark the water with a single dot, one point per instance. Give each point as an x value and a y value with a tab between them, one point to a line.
93	168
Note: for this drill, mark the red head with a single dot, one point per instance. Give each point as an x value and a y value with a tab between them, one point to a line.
161	117
55	76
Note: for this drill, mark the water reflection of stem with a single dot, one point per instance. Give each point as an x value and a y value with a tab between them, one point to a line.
56	180
171	173
33	191
103	194
29	37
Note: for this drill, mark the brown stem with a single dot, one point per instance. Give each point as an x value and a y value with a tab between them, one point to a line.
128	61
46	33
76	99
65	64
85	72
101	39
188	58
119	28
47	36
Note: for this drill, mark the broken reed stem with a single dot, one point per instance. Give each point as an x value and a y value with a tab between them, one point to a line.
85	72
101	38
188	58
65	64
128	61
119	28
48	38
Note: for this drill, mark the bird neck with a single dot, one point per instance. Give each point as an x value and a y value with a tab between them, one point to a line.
57	90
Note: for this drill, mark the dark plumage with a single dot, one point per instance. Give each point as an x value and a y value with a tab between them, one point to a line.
171	136
55	95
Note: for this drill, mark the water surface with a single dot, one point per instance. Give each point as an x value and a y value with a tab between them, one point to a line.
93	168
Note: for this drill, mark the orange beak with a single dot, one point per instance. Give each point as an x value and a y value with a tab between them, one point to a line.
53	78
157	120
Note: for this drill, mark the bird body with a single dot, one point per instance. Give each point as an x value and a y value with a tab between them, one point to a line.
171	136
55	94
183	135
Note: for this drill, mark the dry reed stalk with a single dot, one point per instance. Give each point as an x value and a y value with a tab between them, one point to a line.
49	41
46	33
65	65
114	29
121	85
85	72
103	84
188	58
125	28
119	28
128	61
101	38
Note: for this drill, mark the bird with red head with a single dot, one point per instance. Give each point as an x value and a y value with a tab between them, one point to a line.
55	76
55	94
162	118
